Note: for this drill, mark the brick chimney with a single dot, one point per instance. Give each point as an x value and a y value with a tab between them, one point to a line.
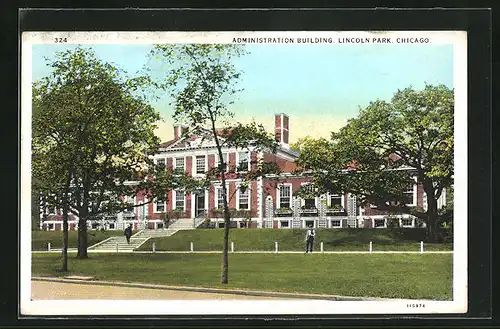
281	131
179	130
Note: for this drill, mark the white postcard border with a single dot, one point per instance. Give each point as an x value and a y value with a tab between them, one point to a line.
211	307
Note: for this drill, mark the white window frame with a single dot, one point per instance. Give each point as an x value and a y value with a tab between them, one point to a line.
414	198
278	196
329	199
408	219
216	195
238	160
248	191
335	220
225	156
174	162
53	227
155	206
195	166
284	220
174	199
303	201
164	161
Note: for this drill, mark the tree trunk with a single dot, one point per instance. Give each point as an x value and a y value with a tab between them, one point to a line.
225	258
432	219
65	240
82	235
65	224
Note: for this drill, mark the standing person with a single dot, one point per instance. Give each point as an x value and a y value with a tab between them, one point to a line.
311	233
128	233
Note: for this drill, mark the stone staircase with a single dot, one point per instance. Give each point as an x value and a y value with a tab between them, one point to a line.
186	223
119	243
147	234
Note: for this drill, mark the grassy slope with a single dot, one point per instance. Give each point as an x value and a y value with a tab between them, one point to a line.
39	239
293	239
427	276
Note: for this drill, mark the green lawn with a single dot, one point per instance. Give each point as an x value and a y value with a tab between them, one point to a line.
293	240
39	239
420	276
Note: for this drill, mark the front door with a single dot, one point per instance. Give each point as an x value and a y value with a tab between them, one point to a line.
199	205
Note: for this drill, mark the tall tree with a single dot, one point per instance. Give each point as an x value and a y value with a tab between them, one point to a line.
202	82
94	128
413	132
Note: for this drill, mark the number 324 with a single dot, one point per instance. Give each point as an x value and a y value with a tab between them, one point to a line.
60	40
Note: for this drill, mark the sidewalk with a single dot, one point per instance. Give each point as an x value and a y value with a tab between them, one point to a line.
213	291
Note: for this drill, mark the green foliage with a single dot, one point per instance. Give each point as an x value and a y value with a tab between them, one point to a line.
91	123
376	155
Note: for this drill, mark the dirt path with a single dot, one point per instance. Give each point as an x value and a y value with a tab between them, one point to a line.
62	290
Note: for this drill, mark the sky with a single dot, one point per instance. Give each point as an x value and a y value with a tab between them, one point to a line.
319	86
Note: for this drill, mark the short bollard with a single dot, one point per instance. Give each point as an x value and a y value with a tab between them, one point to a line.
192	247
422	247
232	246
371	246
321	246
276	246
48	246
154	246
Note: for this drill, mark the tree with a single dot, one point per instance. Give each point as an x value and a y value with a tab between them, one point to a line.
93	132
202	82
378	154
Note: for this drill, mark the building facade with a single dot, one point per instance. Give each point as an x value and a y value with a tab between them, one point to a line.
269	202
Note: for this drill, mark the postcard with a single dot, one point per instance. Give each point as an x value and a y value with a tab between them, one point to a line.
244	173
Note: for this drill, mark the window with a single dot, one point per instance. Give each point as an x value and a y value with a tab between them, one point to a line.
111	226
379	222
221	225
200	164
225	158
220	198
309	201
160	163
336	223
309	223
179	163
243	163
243	225
160	205
243	199
51	227
335	200
285	196
406	222
179	200
284	223
408	197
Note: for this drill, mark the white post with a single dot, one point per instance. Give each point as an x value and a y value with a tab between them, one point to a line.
192	247
371	246
321	246
154	246
117	247
48	246
421	246
232	246
276	246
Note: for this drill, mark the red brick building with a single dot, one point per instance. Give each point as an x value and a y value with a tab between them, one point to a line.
267	202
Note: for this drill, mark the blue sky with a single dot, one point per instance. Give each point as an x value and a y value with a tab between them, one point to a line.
319	86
